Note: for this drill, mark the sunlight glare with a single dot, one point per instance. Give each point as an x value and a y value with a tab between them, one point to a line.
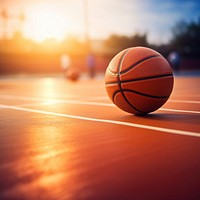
46	21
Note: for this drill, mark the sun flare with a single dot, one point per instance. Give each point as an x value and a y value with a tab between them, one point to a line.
44	22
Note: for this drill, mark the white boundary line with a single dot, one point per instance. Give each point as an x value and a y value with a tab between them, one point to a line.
184	101
154	128
55	101
91	98
182	111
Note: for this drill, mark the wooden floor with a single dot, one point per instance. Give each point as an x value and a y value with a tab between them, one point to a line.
61	140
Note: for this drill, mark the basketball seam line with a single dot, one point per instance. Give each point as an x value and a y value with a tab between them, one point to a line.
140	79
138	62
143	94
112	73
119	83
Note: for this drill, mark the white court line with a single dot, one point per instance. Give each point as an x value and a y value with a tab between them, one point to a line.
30	104
54	101
154	128
184	101
84	98
172	101
182	111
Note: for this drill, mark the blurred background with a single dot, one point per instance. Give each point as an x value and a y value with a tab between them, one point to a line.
48	36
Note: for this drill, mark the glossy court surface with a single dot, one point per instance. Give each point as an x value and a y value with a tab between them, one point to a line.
63	140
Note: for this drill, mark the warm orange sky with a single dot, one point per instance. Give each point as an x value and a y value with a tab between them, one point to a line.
47	19
58	18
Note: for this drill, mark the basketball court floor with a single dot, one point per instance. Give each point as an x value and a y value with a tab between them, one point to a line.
64	140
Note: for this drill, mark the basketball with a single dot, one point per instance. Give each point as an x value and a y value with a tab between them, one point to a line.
139	80
72	75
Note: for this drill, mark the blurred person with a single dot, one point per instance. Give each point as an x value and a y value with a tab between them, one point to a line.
65	62
174	59
70	72
90	60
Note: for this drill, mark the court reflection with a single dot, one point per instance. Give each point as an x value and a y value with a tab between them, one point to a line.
49	151
46	169
51	159
48	87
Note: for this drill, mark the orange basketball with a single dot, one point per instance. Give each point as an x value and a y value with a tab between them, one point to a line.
139	80
72	75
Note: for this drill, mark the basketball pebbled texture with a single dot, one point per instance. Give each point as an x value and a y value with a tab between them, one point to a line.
139	80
